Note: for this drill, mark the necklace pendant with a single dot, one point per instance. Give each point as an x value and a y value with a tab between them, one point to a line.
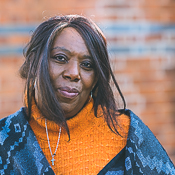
52	161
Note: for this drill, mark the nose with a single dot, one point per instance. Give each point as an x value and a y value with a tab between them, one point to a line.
71	71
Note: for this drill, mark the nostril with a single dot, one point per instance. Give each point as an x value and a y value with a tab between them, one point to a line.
72	77
76	79
67	77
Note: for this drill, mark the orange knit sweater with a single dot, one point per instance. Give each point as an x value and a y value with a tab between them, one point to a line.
92	144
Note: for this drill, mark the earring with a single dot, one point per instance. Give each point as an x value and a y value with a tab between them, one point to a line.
90	96
34	84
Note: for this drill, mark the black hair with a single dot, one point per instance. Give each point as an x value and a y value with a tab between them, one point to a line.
35	68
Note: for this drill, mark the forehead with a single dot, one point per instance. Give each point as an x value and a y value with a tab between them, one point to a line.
69	38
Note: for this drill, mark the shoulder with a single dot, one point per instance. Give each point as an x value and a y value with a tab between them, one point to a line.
139	133
12	124
19	116
19	149
144	150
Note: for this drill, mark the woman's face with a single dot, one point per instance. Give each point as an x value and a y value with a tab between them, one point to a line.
71	70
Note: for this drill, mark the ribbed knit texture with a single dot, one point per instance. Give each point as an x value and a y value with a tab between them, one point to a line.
92	144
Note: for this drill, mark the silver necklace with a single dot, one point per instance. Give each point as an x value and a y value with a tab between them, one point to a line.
52	160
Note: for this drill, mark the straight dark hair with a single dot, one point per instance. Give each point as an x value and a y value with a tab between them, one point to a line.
35	68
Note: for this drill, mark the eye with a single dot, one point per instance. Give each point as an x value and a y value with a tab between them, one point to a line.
60	58
87	65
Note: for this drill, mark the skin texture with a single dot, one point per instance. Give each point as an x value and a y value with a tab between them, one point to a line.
71	71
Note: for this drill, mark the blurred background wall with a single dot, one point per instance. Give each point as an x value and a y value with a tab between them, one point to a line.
141	44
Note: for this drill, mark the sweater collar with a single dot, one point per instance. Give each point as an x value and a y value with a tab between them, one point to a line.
80	123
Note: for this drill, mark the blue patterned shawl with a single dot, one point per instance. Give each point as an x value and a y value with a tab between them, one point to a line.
20	153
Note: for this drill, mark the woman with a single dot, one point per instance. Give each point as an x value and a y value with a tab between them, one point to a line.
71	124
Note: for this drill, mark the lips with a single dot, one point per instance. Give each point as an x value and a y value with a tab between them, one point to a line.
68	92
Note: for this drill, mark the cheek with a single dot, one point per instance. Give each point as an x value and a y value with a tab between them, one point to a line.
88	81
54	70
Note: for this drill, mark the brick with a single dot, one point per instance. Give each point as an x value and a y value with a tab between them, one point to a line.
141	37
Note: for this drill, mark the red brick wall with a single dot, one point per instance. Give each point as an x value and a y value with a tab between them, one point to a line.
141	43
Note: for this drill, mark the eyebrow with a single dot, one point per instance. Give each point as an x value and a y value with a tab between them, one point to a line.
61	48
69	52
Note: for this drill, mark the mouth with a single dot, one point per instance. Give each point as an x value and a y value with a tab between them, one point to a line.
67	92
